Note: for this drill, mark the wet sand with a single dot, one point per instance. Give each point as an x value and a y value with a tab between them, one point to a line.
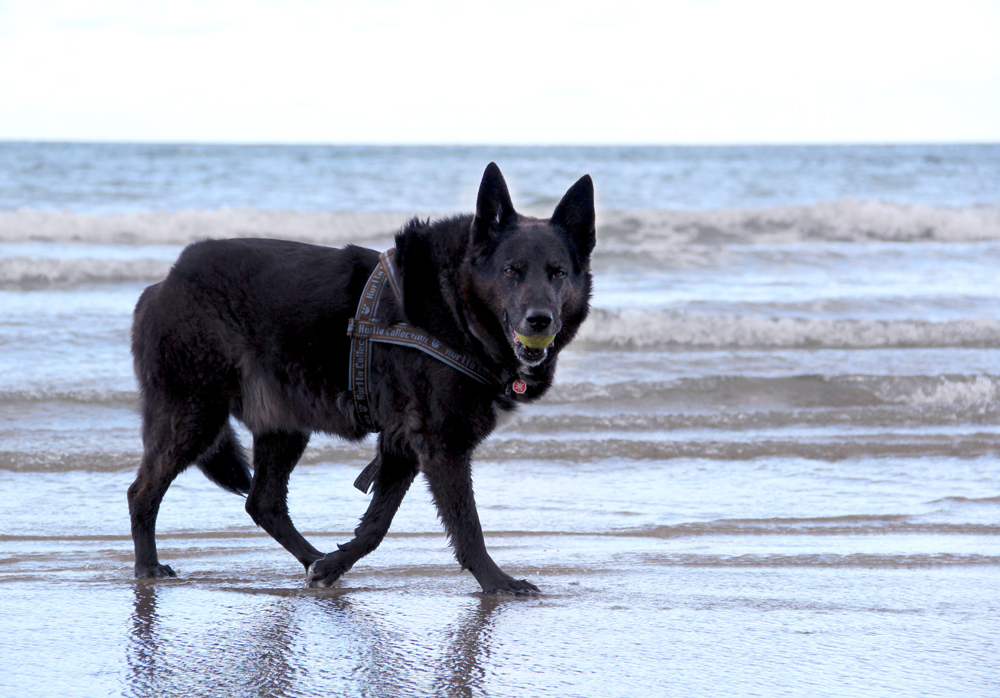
823	606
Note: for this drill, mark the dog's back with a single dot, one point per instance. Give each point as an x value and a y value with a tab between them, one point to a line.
237	320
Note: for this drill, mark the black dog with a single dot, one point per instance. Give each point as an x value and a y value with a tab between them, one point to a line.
257	329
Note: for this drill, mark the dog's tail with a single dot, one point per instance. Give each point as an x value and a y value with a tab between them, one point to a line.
225	463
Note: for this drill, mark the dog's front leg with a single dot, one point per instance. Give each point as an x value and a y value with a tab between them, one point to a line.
396	473
274	456
450	482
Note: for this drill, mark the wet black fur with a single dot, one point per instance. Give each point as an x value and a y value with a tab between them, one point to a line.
256	329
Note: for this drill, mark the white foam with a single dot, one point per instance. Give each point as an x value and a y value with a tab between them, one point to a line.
25	272
633	232
182	227
848	220
943	390
635	328
76	395
768	398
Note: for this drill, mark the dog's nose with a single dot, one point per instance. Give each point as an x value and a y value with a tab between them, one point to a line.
539	319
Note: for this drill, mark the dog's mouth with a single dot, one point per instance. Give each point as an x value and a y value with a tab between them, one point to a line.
532	349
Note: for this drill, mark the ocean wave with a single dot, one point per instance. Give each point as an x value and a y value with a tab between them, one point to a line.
755	401
79	396
28	273
848	525
845	220
749	419
642	329
831	449
59	461
823	560
591	449
656	232
967	500
805	391
182	227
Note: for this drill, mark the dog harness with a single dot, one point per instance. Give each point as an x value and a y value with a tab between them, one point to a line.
365	328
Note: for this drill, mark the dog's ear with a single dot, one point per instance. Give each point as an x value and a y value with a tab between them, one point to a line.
575	216
494	209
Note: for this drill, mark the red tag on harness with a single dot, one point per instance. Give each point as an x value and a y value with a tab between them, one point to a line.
519	387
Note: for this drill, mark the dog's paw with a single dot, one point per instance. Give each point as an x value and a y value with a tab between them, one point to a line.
518	587
323	573
154	572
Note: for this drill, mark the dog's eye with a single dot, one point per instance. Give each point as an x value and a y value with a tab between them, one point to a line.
557	273
510	271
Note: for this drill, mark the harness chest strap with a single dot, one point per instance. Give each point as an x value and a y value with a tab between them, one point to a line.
360	355
366	328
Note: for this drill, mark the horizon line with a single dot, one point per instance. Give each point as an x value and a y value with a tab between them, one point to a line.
527	144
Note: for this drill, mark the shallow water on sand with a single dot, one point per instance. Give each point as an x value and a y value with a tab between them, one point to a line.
769	465
695	577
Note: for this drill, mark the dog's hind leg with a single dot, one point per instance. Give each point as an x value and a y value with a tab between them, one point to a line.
171	443
156	472
450	481
395	475
274	457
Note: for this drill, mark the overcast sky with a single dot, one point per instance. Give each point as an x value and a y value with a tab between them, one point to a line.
565	71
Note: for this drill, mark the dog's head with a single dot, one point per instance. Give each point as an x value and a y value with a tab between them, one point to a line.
533	274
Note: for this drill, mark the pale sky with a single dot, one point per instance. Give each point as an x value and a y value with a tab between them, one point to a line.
536	72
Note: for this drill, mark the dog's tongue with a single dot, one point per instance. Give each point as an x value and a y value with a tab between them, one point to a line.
535	341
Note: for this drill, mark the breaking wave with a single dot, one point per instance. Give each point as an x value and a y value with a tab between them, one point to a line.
182	227
832	449
845	220
749	419
824	560
67	394
505	448
975	394
641	329
645	232
806	391
857	524
26	273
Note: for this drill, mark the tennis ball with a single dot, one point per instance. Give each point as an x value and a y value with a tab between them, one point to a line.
535	341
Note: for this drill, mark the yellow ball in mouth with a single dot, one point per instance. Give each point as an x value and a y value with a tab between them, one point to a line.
535	341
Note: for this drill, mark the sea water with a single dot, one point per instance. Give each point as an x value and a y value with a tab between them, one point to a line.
770	464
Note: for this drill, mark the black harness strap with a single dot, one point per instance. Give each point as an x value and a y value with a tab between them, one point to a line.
408	336
366	328
364	480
